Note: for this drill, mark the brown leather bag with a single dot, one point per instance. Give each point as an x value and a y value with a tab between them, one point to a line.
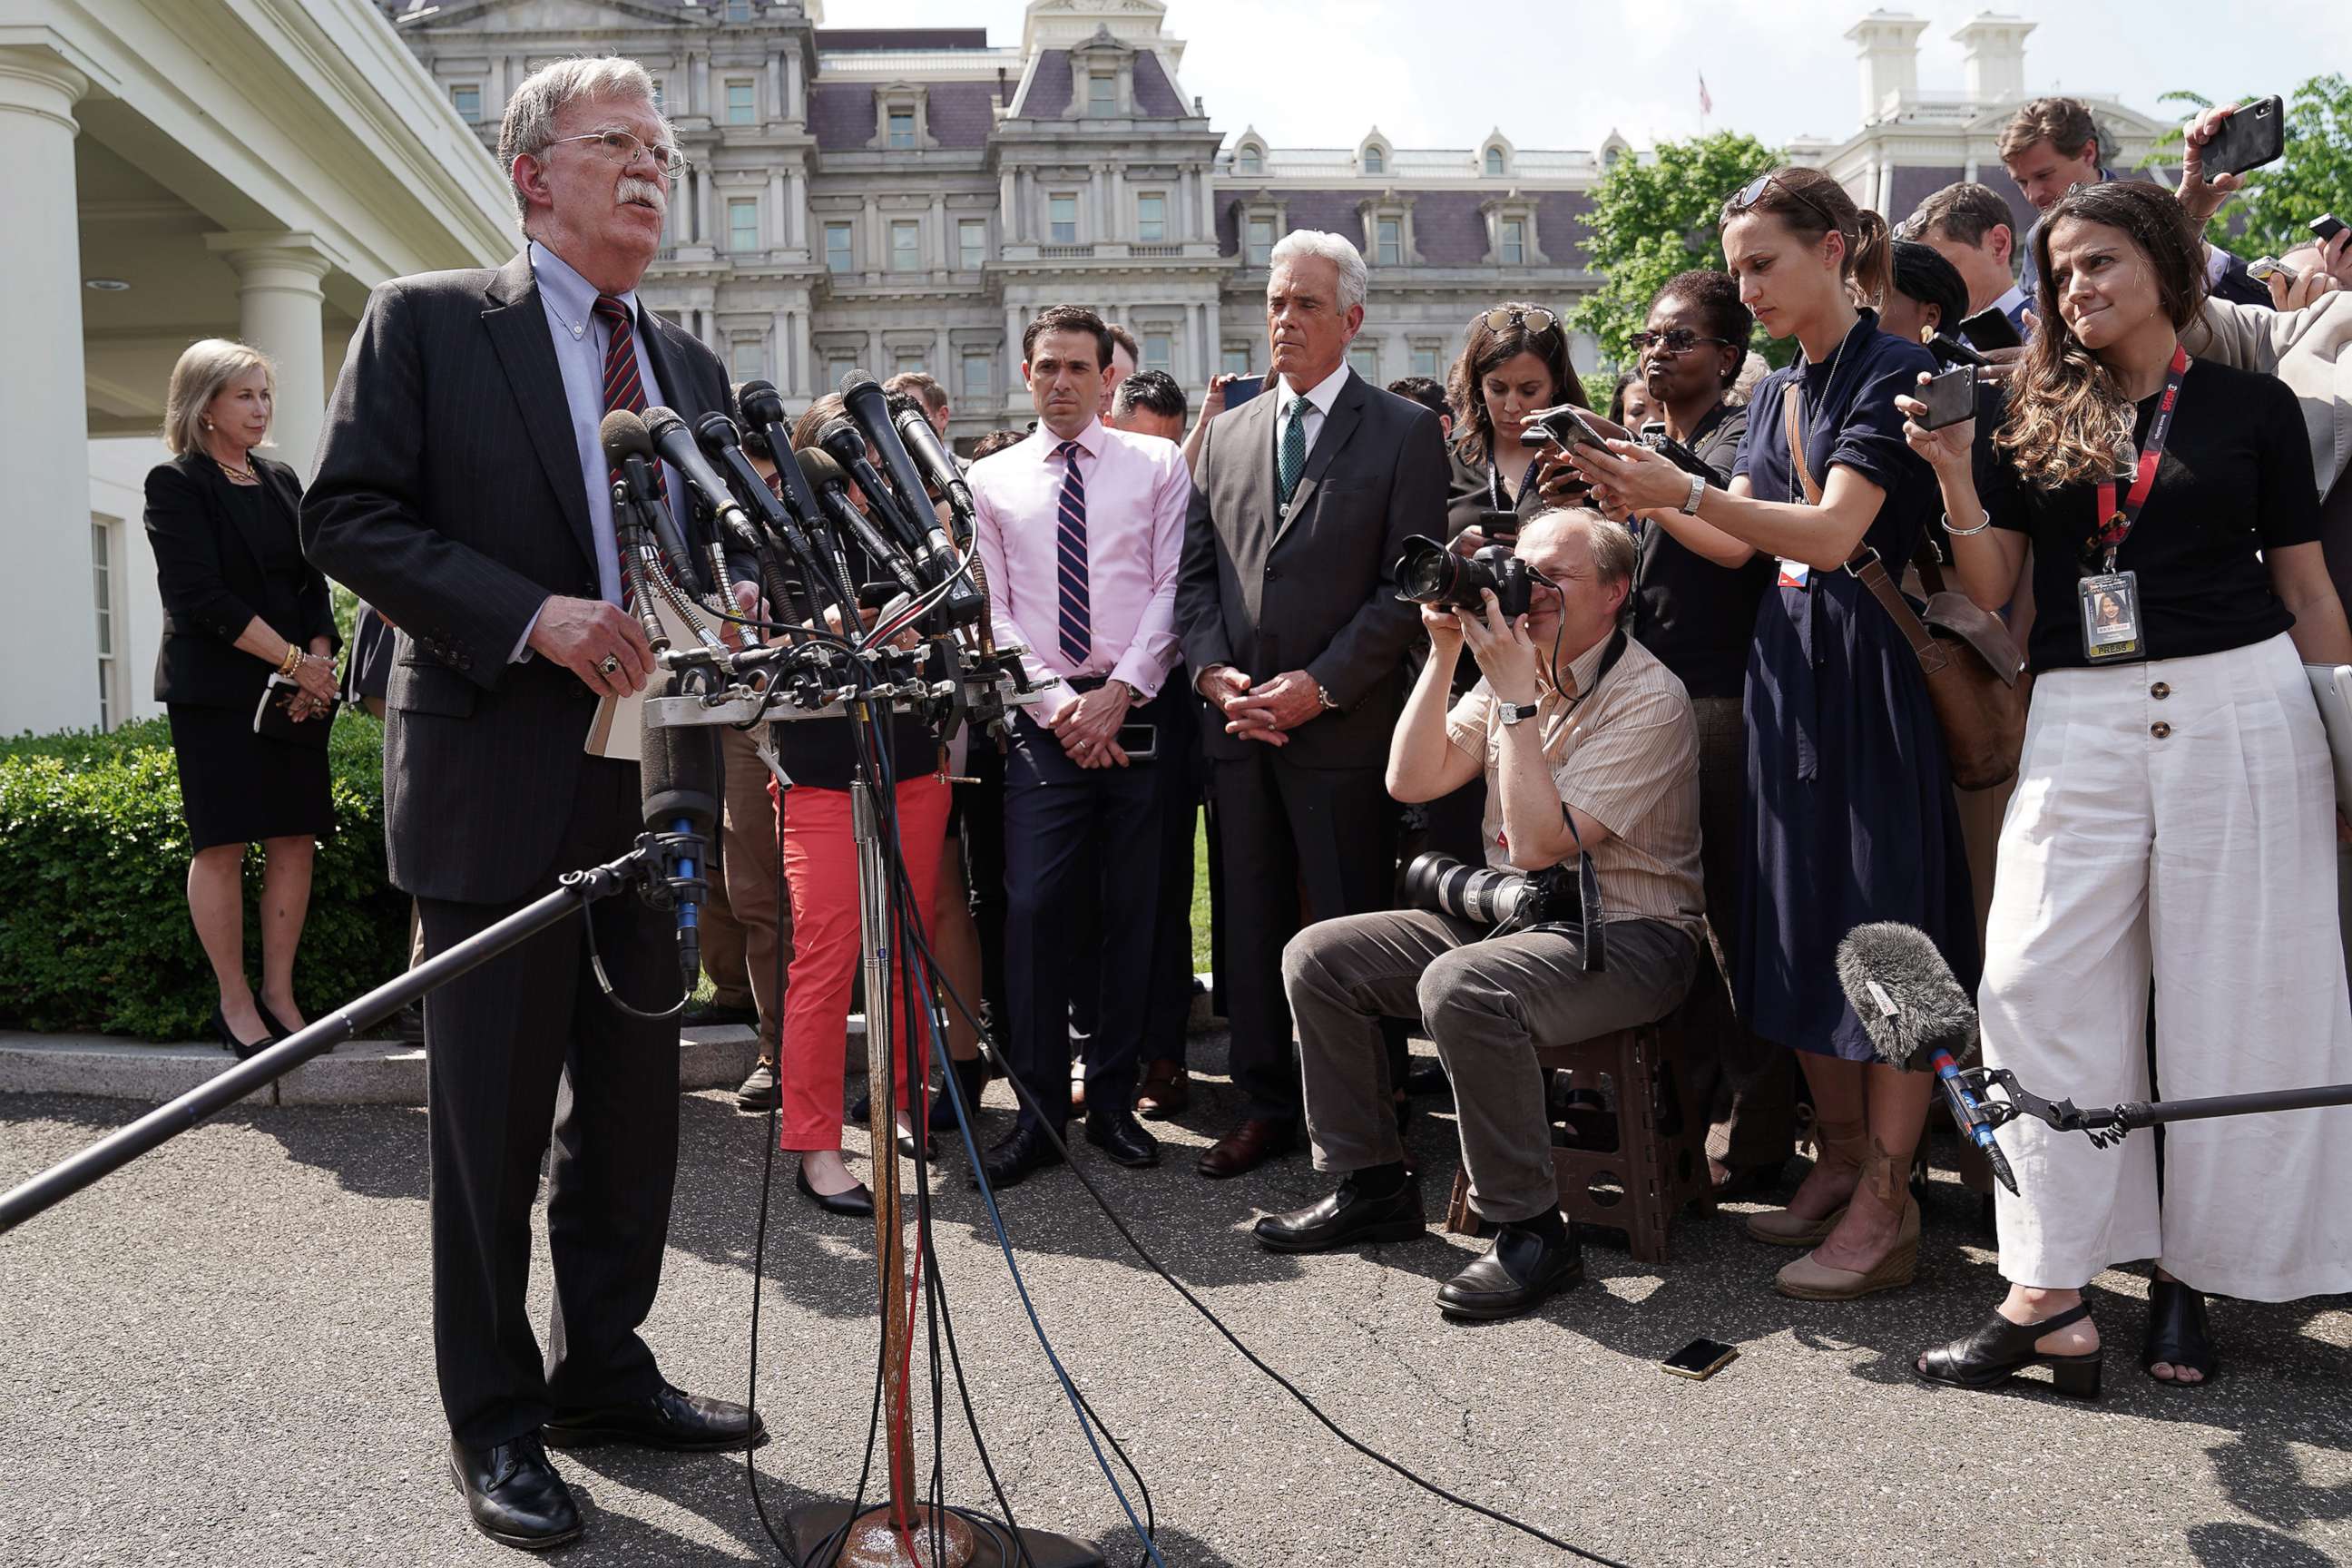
1970	661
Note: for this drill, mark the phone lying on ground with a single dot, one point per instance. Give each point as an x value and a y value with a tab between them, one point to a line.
2254	134
1699	1360
1951	398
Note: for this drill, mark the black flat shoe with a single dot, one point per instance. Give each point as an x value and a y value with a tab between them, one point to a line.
668	1418
1524	1268
857	1203
1119	1135
2000	1350
1019	1157
241	1049
514	1495
2178	1335
1345	1219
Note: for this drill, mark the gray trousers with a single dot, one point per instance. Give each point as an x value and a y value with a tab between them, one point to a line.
1488	1004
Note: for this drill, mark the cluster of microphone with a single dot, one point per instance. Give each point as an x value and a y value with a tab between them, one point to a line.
799	533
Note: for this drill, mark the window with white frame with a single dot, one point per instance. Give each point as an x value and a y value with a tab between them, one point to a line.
1259	251
1152	218
1426	358
1249	160
976	377
1495	163
906	360
1511	241
1375	161
971	242
743	223
836	365
105	577
1102	92
902	127
1364	359
905	245
467	98
1159	351
1062	217
739	10
1388	245
1237	359
748	359
742	105
838	256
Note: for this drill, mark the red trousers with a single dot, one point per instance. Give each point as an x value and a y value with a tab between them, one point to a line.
821	869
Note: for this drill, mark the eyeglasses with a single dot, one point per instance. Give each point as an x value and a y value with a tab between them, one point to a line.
1502	317
1673	340
620	147
1748	194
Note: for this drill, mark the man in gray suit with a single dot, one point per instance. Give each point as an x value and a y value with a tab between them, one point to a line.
461	489
1302	501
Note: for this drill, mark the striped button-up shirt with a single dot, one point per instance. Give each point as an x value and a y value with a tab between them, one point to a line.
1627	757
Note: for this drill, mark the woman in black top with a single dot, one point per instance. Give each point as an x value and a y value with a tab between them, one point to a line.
2174	818
1514	362
240	605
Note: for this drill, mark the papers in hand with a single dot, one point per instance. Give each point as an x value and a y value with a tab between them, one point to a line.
615	731
2331	685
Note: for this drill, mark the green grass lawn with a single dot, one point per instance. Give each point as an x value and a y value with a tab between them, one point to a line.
1201	894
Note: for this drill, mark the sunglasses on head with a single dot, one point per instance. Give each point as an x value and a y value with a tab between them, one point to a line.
1502	317
1673	340
1748	194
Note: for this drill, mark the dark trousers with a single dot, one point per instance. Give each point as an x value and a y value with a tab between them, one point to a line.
1081	853
1330	833
980	822
1168	1013
522	1042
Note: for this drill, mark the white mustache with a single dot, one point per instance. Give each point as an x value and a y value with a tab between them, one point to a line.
631	189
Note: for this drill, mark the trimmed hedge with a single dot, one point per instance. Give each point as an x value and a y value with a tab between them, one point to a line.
97	935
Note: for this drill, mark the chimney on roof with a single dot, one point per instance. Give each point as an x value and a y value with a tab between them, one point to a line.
1995	55
1003	89
1888	44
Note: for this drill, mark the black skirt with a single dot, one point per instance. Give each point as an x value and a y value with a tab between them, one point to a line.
238	788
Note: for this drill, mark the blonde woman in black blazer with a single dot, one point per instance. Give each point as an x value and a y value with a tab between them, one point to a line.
239	605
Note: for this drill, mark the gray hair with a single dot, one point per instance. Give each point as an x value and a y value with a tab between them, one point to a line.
205	366
538	97
1331	248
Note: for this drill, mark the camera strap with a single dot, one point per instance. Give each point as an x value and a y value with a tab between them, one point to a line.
1592	930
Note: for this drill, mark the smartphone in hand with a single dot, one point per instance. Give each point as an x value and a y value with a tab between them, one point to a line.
2253	134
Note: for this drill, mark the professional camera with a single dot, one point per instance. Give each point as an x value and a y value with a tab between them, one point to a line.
1430	574
1507	900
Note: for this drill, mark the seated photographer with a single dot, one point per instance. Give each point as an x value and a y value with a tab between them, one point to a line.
1587	747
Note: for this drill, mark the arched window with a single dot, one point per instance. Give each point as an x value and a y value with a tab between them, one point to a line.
1248	161
1373	163
1495	161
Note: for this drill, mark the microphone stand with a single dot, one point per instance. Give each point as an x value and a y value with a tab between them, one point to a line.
2109	1123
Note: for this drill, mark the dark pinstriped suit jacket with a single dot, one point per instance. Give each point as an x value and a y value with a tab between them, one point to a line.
448	494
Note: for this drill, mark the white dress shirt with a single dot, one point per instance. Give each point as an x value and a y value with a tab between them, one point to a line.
1319	398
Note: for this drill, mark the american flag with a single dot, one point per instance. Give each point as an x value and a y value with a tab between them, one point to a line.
1705	101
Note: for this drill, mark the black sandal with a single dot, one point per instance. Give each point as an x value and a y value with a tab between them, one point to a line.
2178	1335
2000	1350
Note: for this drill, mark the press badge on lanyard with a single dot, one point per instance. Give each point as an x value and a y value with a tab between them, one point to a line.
2110	599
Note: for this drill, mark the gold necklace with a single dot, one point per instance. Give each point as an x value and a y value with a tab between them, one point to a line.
244	473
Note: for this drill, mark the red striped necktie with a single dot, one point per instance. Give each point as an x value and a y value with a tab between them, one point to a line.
623	386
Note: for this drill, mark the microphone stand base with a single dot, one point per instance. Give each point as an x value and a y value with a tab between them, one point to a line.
874	1542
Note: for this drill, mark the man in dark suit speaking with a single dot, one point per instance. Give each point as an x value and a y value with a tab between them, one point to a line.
1301	501
461	490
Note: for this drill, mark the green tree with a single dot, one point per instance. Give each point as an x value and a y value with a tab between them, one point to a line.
1653	217
2272	214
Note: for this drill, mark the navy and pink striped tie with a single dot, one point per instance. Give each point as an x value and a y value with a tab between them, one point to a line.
1076	625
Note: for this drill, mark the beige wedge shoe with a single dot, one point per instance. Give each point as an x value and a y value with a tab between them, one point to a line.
1845	1143
1809	1280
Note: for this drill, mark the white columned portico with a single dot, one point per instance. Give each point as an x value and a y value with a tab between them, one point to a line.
51	642
280	307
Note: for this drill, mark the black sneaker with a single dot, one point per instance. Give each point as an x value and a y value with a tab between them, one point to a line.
757	1091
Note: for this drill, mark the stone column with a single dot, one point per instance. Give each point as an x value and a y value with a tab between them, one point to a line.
49	642
796	211
794	98
279	306
1215	334
704	231
776	103
942	254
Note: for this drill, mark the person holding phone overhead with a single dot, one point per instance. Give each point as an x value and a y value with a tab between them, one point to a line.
1850	817
2175	809
1081	531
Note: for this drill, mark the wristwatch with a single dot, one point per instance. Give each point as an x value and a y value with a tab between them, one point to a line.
1698	493
1516	713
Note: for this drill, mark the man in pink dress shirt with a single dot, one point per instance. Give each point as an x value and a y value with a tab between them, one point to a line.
1081	531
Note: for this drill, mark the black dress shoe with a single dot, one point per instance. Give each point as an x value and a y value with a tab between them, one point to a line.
668	1418
701	1015
857	1203
1344	1219
1524	1267
1119	1135
1022	1155
269	1020
515	1495
240	1049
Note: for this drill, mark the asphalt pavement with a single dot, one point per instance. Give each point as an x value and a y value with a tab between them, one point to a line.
222	1355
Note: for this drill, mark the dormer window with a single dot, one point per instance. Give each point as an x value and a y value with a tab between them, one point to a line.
1374	163
902	127
901	118
1102	93
1495	163
1249	161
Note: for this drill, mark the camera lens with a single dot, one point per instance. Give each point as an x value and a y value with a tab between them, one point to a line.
1429	573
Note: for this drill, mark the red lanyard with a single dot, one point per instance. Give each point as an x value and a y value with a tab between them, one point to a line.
2115	523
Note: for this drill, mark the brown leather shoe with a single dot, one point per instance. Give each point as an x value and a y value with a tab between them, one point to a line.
1247	1147
1167	1091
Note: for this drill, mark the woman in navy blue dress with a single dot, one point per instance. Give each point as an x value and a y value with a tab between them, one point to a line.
1850	817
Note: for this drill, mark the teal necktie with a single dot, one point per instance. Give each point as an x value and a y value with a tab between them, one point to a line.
1293	450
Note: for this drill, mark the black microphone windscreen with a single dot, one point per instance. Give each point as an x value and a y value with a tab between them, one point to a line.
1905	994
855	381
819	468
760	403
623	434
678	774
660	421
